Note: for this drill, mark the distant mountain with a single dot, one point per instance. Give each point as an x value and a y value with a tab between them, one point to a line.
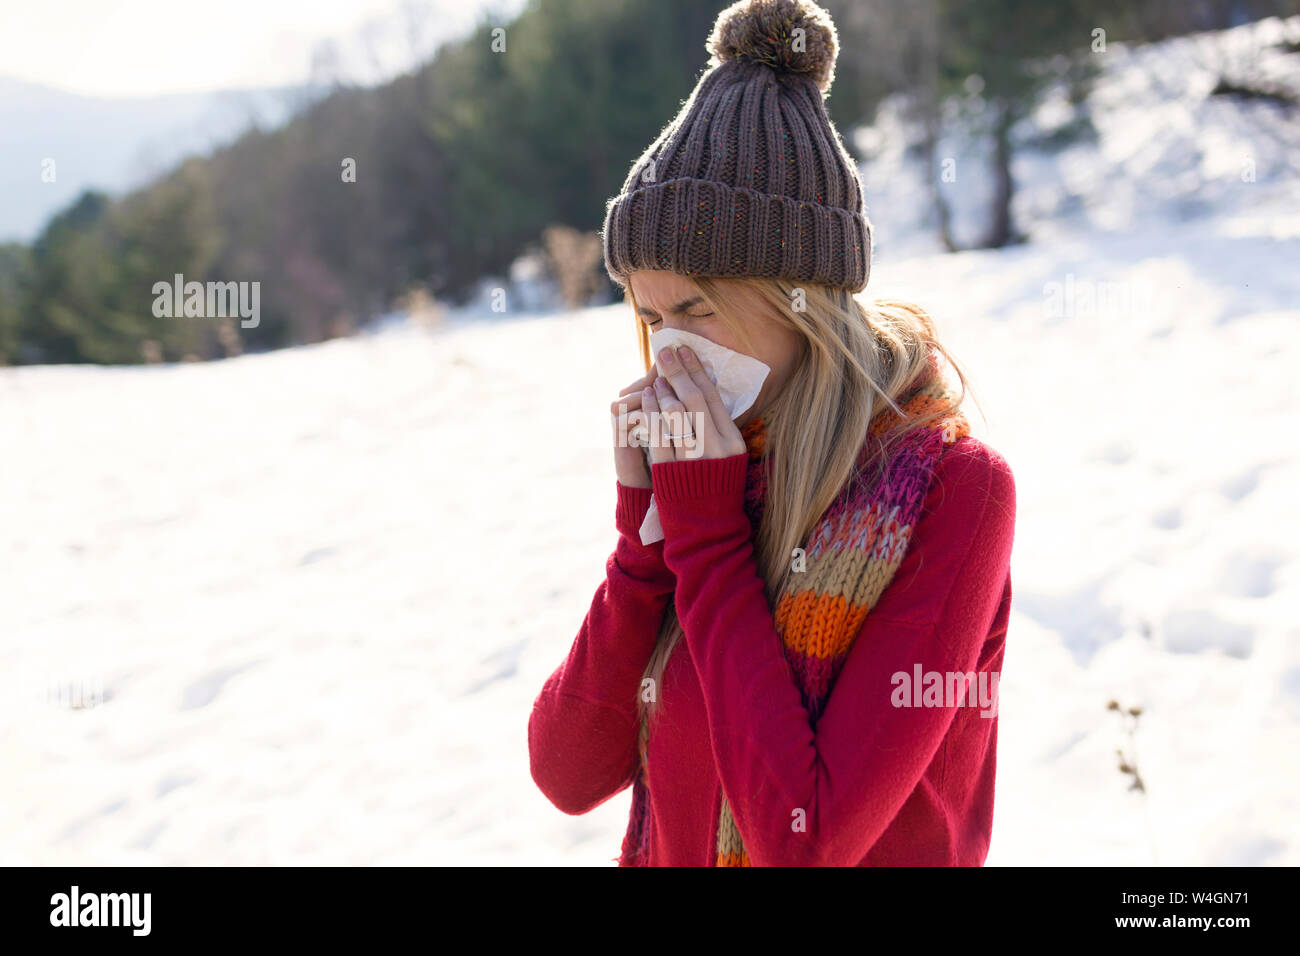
113	144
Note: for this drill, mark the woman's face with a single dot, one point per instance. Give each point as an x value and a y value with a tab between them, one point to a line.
667	300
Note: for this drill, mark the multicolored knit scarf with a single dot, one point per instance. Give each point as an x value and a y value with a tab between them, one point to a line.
850	557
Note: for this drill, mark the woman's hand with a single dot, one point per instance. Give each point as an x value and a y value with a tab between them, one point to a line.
689	408
630	434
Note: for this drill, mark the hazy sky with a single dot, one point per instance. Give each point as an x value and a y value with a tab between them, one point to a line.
146	47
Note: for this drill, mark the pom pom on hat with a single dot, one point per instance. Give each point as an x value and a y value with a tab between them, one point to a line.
764	31
751	178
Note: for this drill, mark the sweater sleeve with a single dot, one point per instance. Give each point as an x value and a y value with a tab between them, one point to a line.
583	728
853	774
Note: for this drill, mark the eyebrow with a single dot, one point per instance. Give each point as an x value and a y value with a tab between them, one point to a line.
680	307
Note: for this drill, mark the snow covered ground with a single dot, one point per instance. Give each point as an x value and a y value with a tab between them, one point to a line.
320	588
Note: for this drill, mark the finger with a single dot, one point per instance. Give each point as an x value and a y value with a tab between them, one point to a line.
625	403
630	428
628	421
656	450
684	387
717	410
676	417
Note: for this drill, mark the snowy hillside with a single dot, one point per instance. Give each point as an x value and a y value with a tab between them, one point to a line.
1168	149
322	587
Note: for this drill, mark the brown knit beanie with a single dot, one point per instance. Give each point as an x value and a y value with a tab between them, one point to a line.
751	177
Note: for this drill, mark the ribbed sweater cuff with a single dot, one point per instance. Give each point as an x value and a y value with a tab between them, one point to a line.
630	509
699	478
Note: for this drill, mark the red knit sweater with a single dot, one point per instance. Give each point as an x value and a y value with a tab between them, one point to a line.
881	785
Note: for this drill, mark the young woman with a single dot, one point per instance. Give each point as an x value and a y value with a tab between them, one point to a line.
803	671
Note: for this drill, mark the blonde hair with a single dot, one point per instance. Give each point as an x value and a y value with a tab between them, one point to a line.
856	360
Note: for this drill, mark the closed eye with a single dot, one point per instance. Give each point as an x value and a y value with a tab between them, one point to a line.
704	315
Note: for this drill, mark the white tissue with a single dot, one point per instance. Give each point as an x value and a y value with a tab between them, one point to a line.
738	378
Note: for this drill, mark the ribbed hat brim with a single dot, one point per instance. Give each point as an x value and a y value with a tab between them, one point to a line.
724	230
